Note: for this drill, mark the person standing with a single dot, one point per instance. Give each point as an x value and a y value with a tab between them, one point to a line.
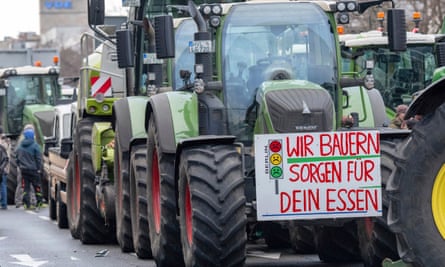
29	161
19	188
4	166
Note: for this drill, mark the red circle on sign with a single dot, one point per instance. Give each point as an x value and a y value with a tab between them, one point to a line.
275	146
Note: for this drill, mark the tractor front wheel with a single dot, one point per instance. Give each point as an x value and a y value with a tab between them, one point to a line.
417	190
212	206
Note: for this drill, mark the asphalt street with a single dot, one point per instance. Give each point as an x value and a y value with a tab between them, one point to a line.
29	238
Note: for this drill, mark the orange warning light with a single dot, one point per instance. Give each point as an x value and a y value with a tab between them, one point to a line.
38	63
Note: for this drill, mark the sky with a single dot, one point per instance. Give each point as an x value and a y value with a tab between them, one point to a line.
23	16
18	16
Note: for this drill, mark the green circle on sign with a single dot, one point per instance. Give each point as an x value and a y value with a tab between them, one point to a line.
276	172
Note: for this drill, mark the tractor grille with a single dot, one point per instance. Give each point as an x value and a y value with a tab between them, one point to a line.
300	110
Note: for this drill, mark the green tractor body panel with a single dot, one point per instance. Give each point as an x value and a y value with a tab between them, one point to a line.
270	118
184	111
137	106
102	150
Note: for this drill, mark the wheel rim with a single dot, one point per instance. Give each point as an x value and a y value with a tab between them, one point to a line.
438	201
188	215
155	191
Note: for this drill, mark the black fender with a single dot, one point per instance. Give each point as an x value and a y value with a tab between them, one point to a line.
428	100
159	107
122	121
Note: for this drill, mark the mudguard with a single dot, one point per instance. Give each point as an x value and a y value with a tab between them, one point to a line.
128	114
176	117
428	100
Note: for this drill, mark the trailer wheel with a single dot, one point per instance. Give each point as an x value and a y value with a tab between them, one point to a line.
138	193
122	203
302	238
212	206
93	229
12	175
376	240
62	220
417	190
337	244
162	222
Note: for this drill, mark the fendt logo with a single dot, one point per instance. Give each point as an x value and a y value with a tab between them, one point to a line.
59	4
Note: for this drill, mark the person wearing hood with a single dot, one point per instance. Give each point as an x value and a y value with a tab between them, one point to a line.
29	161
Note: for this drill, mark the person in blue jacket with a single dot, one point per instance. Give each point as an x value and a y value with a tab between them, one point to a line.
29	161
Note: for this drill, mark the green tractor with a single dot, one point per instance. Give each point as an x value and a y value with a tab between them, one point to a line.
90	179
398	77
28	95
416	185
266	76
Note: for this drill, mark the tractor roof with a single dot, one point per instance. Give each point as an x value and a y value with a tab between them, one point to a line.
379	38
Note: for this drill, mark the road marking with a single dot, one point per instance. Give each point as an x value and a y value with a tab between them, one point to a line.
3	238
46	218
26	260
74	258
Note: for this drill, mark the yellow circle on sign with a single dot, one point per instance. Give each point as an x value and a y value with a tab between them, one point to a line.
275	159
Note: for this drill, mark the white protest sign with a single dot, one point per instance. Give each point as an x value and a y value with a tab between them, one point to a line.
318	175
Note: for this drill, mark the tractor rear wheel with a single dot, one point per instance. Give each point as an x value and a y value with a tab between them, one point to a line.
138	194
212	206
337	243
122	200
417	190
161	205
73	194
302	238
93	229
376	240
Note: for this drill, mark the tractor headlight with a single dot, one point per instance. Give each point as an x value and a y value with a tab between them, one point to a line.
206	10
215	21
105	108
341	6
351	6
343	18
216	10
92	109
100	97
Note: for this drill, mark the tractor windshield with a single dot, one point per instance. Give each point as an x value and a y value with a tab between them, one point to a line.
261	40
399	75
29	89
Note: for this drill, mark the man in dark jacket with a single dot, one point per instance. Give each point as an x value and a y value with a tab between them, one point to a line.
29	160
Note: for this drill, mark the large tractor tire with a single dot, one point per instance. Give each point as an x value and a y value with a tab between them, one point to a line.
276	235
73	194
138	193
337	244
376	240
93	229
417	191
212	206
302	238
122	203
161	204
13	173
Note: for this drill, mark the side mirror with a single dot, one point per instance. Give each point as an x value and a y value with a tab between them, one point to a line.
49	143
164	36
396	29
96	12
124	47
